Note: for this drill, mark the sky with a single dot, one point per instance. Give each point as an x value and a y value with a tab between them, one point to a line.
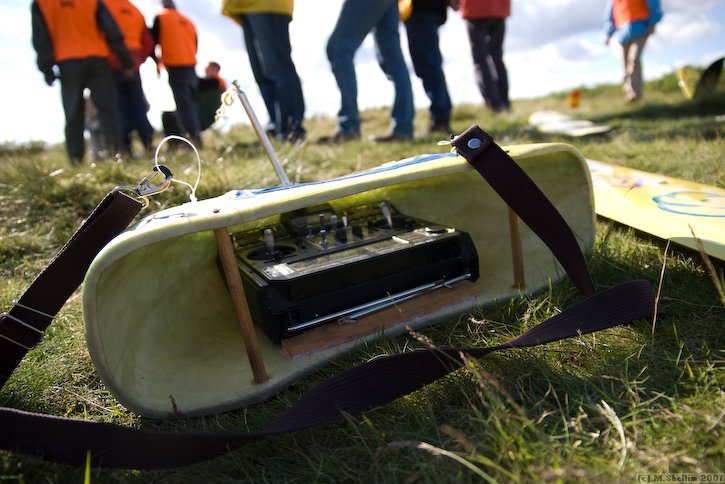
550	46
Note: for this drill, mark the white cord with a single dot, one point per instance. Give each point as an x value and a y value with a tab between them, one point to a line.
192	196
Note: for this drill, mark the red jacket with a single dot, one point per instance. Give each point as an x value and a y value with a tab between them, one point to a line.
478	9
136	35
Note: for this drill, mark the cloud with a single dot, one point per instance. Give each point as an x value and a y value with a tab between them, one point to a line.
683	28
14	24
533	24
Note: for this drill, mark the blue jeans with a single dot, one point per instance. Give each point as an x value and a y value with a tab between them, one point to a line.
486	38
184	85
133	107
266	36
422	29
357	18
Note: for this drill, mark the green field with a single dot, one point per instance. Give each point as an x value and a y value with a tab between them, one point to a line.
645	401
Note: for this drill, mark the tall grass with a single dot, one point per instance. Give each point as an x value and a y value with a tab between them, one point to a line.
615	406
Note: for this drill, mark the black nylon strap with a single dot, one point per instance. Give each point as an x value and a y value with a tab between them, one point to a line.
515	187
22	327
358	389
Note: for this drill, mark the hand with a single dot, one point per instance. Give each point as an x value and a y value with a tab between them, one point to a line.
454	4
606	39
650	30
49	77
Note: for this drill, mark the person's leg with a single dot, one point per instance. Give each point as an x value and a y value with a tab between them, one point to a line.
103	93
423	45
137	110
71	89
627	65
266	89
392	62
271	32
634	68
123	108
500	96
356	20
478	40
183	82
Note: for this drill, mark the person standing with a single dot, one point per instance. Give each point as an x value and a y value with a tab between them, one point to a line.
176	35
75	37
634	21
265	25
132	101
486	26
356	20
422	26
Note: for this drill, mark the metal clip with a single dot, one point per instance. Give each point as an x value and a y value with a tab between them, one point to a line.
145	189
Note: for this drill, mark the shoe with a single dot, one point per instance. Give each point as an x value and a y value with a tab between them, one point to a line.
440	127
338	137
390	137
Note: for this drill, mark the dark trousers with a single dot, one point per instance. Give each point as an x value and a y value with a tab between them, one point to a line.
133	107
266	36
184	85
95	75
486	39
423	44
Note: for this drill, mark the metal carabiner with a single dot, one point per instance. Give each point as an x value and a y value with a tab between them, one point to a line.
145	189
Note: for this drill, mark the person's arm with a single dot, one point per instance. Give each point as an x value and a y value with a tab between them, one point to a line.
114	36
609	26
155	30
43	44
155	35
655	14
147	43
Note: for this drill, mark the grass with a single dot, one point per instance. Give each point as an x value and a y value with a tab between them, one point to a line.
631	401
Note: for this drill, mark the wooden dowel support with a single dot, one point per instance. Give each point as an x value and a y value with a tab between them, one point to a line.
239	300
517	252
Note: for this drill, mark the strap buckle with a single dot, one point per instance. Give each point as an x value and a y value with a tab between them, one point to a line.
145	189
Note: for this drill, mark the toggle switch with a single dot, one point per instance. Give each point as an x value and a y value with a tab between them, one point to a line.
269	242
357	231
386	214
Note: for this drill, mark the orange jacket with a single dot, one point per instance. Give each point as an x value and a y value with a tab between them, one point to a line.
176	35
136	35
477	9
73	29
629	11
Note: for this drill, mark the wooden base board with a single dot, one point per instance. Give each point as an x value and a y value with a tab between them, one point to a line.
333	334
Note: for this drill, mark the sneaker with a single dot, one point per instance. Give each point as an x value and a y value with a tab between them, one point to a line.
440	127
391	137
295	137
338	137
